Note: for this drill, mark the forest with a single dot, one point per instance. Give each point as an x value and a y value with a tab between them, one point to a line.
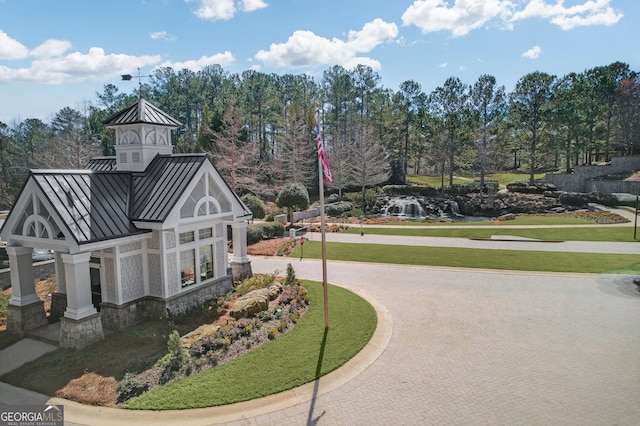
260	128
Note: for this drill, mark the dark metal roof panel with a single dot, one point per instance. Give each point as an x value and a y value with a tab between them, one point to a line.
157	190
92	205
142	112
102	164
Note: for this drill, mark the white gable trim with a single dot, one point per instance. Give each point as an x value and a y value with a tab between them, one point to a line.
32	198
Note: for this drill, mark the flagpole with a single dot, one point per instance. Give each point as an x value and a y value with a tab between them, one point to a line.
322	231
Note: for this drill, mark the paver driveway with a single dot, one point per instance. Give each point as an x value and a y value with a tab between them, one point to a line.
485	347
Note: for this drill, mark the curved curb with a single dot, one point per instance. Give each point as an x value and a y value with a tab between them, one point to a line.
80	414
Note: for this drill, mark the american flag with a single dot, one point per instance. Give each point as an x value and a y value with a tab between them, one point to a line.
322	156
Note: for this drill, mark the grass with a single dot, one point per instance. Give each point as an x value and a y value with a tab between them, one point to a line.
502	178
295	358
134	348
519	220
292	359
517	260
596	233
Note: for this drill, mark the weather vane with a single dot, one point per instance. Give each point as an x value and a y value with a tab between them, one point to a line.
128	77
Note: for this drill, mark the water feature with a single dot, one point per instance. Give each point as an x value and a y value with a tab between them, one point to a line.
423	208
404	207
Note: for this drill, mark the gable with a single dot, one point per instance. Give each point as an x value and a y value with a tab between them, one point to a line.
71	207
183	187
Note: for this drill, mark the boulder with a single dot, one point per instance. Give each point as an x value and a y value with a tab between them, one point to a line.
251	303
274	290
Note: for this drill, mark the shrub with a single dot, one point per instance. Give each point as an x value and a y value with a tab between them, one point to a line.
538	187
257	281
273	333
130	387
177	360
255	204
337	209
259	231
333	198
427	191
473	188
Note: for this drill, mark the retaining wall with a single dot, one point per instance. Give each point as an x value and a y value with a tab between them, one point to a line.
583	177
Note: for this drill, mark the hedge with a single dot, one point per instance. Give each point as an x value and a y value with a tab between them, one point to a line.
263	231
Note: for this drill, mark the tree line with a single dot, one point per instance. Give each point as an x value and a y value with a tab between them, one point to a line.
259	127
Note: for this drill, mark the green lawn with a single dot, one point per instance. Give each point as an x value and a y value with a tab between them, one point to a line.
598	233
502	178
293	359
517	260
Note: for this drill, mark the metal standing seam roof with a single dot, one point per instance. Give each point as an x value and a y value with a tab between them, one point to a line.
97	204
102	164
93	205
142	112
158	189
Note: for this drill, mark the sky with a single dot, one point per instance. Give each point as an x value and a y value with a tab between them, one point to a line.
61	53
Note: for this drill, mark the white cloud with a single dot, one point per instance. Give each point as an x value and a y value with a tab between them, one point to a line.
463	17
467	15
443	65
162	35
252	5
51	48
11	48
304	48
221	59
591	12
533	53
213	10
94	65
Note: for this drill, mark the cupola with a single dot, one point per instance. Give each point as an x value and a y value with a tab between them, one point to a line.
142	132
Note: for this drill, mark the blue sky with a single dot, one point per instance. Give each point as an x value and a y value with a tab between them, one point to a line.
57	53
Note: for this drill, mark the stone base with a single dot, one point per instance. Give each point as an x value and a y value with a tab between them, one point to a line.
116	317
78	334
58	305
21	319
241	270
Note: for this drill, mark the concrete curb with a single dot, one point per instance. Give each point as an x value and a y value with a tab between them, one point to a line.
80	414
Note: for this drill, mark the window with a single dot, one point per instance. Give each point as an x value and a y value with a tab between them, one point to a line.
206	262
205	233
186	237
187	267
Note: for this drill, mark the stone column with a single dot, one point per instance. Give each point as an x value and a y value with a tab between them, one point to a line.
240	263
81	324
26	310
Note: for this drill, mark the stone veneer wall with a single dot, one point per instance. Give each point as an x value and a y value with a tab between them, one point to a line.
581	178
116	317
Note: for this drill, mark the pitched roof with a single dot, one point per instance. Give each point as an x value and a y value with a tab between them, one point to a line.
142	112
158	189
93	205
97	204
102	164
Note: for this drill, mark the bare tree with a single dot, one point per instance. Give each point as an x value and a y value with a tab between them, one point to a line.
370	162
298	150
234	158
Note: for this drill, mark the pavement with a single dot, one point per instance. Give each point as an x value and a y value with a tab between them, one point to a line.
460	347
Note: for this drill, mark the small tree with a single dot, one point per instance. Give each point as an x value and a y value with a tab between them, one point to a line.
256	205
293	196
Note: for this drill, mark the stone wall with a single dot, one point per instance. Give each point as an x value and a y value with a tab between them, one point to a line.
116	317
582	178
